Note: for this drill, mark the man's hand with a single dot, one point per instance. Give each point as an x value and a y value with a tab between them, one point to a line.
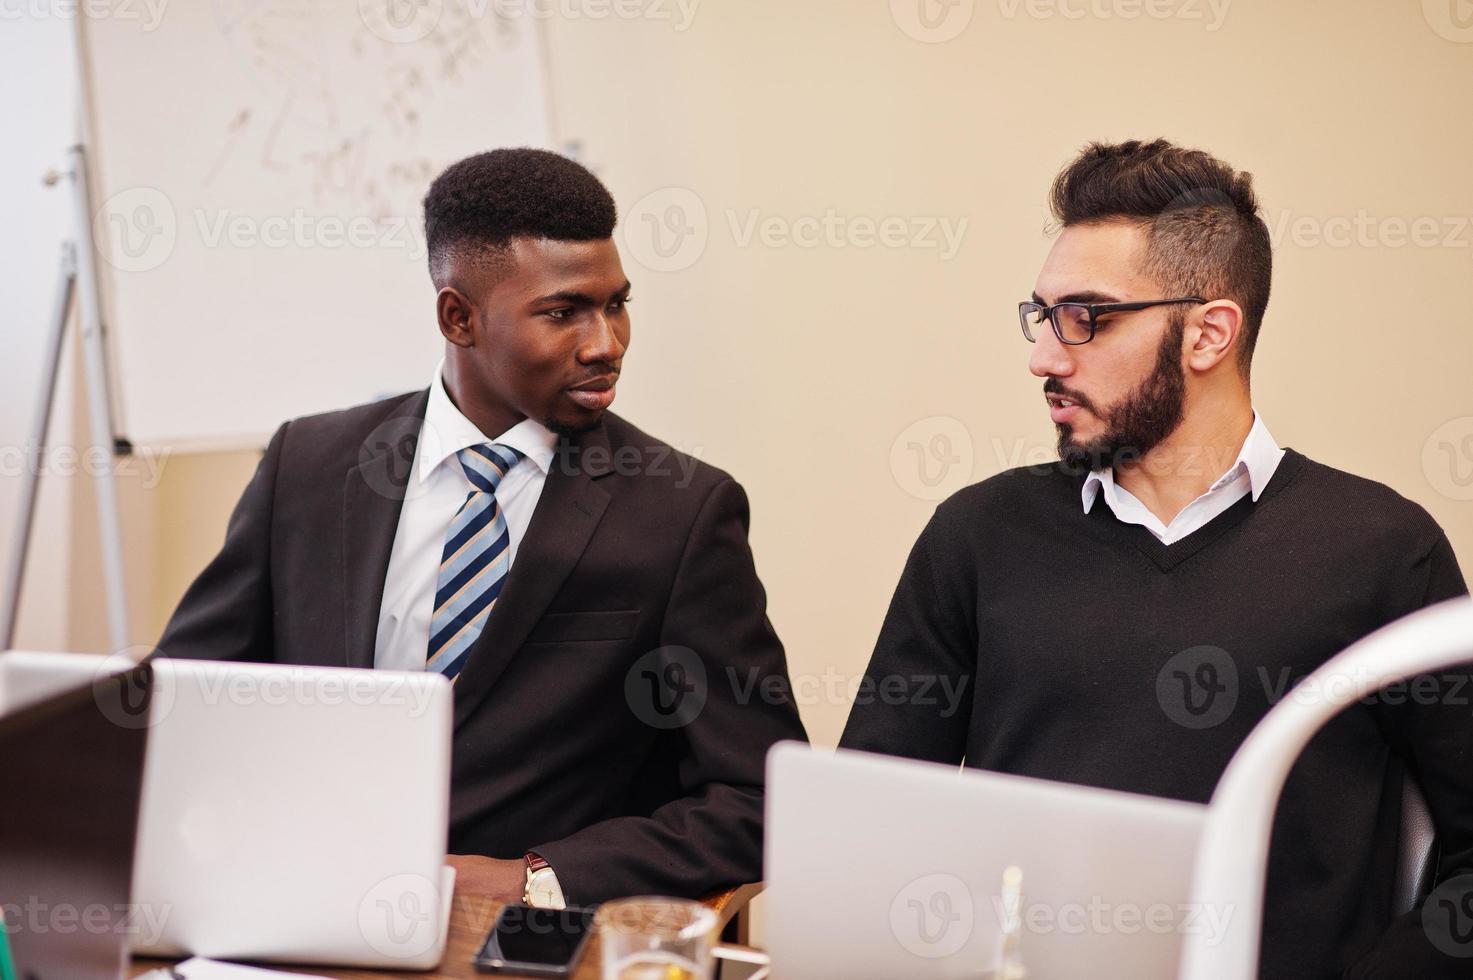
478	875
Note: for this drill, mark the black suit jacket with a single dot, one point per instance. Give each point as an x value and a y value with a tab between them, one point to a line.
584	729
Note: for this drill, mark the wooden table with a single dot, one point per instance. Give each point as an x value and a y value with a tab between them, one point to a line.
471	917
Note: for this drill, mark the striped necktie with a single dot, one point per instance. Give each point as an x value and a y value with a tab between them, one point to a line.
474	563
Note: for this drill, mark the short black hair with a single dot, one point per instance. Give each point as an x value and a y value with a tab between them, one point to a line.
478	205
1207	237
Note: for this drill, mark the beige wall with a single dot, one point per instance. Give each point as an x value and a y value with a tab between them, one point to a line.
800	368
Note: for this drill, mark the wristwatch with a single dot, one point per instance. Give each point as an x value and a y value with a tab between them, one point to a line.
542	890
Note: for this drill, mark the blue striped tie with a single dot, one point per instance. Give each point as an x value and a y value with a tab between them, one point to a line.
474	563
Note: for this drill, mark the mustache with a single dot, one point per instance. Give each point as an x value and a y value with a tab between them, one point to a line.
1053	386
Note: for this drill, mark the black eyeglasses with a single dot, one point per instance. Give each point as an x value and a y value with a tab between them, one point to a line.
1075	323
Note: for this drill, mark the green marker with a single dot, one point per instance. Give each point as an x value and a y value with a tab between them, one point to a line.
7	965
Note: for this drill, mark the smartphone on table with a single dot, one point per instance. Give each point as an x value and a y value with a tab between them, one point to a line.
536	942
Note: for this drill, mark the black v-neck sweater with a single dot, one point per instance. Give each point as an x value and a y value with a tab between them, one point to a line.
1091	652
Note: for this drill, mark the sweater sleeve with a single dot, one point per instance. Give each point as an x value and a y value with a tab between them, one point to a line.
916	696
1434	736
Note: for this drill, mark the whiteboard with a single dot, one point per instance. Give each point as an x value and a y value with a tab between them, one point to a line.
259	168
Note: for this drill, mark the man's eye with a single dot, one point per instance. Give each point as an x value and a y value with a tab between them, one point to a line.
561	313
619	303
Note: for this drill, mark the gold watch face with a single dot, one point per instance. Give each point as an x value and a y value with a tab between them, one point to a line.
543	890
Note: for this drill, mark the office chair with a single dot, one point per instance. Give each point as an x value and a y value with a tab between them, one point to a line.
1233	854
1416	854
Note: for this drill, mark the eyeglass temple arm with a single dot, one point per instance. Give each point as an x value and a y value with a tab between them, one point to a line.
1147	304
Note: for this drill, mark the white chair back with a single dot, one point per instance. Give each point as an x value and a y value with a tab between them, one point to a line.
1233	854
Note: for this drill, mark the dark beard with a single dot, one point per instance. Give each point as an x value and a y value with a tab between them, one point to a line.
568	431
1142	420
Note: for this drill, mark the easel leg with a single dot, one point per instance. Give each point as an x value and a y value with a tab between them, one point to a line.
66	282
99	403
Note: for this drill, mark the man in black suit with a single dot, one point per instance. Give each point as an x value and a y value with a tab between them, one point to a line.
589	591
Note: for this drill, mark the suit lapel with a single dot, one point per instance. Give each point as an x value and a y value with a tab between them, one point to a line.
563	522
373	494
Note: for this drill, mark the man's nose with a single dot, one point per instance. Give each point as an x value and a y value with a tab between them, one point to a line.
1050	356
602	343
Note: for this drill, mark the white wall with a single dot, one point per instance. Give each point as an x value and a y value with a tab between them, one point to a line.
809	371
36	117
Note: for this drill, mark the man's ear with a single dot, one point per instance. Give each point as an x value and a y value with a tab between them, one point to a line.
1213	334
456	316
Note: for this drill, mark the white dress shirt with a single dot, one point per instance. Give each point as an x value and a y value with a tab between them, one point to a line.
436	490
1250	473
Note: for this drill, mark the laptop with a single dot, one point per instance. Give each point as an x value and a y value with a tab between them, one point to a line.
290	814
71	775
296	814
880	868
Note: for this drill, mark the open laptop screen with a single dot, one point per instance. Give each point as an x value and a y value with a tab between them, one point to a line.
71	775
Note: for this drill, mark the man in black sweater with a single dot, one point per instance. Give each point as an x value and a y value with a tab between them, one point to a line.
1126	616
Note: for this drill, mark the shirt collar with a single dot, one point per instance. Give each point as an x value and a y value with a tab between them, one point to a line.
1259	457
446	431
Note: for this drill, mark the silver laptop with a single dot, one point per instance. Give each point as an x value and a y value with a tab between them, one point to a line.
70	786
883	868
291	814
